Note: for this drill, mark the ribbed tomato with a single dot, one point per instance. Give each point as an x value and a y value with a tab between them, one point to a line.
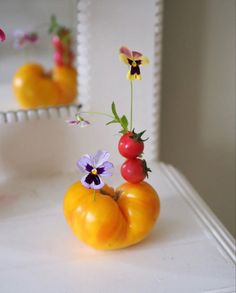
115	219
33	87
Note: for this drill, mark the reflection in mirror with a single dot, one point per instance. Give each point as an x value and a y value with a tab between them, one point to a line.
37	59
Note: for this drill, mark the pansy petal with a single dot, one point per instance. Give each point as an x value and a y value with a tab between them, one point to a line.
105	169
129	76
91	181
144	60
136	55
83	162
84	181
98	186
124	58
126	51
72	122
100	157
84	123
135	70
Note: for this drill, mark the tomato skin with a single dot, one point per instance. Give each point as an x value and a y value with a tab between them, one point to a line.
132	170
109	222
129	147
33	87
57	44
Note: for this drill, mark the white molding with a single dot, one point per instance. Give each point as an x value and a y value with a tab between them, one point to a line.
83	51
223	290
40	113
82	61
209	220
156	100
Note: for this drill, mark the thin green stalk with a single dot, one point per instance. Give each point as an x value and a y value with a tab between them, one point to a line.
94	195
131	104
27	53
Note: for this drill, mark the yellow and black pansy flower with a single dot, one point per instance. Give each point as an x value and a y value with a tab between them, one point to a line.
134	59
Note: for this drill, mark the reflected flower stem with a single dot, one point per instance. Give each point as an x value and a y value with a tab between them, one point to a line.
27	53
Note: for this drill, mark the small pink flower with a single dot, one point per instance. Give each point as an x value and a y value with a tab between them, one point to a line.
24	38
79	121
2	35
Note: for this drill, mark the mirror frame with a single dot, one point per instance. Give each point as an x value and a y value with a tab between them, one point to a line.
84	49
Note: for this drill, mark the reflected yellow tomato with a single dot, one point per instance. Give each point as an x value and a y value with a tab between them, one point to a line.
113	219
34	87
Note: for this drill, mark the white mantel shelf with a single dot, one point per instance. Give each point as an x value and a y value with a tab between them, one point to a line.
188	251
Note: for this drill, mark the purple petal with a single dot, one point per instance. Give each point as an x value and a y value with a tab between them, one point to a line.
83	162
126	51
79	123
92	182
97	186
84	183
84	123
100	157
105	169
73	122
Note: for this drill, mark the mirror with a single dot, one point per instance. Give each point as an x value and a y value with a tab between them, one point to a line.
19	18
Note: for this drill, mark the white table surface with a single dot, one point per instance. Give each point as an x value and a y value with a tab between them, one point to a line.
188	251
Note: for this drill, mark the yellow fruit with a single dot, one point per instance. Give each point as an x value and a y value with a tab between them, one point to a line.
34	87
113	219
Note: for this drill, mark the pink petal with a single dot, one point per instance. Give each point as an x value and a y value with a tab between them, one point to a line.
136	54
126	51
2	36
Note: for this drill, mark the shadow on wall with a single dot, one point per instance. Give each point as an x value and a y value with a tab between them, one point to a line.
197	99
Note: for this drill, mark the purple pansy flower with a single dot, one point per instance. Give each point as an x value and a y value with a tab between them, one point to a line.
79	121
95	167
2	36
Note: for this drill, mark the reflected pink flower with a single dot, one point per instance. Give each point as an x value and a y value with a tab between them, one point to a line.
2	35
24	38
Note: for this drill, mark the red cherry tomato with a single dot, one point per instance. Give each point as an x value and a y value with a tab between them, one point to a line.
58	58
133	170
129	147
57	44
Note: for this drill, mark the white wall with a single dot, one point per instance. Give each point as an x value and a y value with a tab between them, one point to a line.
198	106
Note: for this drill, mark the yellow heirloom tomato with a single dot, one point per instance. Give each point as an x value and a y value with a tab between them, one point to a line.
108	219
33	87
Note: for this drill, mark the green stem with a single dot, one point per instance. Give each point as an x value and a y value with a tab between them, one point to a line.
97	113
131	104
94	195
